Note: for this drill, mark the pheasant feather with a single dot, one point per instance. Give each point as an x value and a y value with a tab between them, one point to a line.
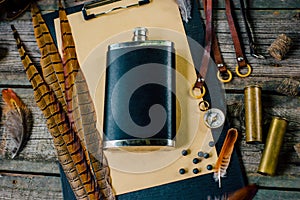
51	62
64	101
69	150
79	103
225	155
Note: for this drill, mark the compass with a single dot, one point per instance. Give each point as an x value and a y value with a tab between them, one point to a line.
214	118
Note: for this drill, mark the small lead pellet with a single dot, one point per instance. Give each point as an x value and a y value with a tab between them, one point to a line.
200	154
184	152
195	170
211	143
209	167
206	155
181	171
196	160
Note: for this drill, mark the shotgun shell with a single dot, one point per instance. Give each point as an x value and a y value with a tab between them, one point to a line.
253	113
272	148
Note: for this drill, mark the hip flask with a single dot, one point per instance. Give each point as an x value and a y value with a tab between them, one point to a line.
140	104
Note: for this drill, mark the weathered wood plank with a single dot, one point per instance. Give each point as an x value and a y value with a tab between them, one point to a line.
264	194
30	187
50	5
276	181
40	147
36	167
265	30
268	19
13	79
36	150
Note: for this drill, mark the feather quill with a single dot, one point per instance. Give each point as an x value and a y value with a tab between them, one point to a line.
225	155
18	121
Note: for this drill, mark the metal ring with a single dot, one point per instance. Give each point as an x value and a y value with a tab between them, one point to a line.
205	105
225	80
202	92
237	70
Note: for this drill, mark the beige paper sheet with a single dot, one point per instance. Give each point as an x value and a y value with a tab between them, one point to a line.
131	171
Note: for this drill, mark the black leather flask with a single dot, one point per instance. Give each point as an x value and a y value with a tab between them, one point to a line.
140	101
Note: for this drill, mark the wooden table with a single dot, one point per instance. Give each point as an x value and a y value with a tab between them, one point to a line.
34	173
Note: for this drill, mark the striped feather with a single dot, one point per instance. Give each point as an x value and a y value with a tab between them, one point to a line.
69	150
225	155
51	63
93	140
18	120
79	103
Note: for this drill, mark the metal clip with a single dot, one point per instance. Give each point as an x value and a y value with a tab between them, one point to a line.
87	16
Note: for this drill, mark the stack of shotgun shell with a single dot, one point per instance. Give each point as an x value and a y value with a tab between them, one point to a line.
253	122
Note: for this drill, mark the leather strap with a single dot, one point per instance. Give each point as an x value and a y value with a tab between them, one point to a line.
208	41
222	69
253	49
240	57
217	55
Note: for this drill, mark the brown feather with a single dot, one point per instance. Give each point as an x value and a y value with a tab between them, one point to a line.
246	193
18	121
79	104
225	154
69	150
51	63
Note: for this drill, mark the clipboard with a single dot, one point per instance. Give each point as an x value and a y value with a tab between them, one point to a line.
192	187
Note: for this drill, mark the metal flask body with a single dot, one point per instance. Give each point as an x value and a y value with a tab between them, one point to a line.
269	159
139	105
253	114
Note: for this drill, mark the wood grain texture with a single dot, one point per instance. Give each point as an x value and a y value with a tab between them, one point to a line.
266	31
30	187
268	19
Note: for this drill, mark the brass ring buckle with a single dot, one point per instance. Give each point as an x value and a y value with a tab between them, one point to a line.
201	90
203	105
225	80
237	70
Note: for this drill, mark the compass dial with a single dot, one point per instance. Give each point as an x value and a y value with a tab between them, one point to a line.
214	118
